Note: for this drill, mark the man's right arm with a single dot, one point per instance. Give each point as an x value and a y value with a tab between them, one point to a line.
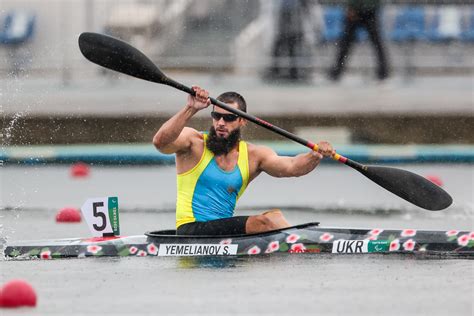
173	136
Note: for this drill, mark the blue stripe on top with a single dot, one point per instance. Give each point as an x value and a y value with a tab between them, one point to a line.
215	194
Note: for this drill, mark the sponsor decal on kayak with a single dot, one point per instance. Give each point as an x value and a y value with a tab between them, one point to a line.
378	245
197	250
114	215
360	246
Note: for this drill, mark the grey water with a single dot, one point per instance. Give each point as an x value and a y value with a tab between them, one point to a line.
305	284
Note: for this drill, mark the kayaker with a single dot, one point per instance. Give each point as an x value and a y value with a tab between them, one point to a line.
214	168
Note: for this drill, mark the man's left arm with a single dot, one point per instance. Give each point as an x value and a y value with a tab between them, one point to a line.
280	166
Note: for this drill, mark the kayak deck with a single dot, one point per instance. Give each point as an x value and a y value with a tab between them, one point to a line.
305	238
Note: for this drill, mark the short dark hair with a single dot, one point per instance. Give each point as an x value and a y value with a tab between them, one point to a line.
230	97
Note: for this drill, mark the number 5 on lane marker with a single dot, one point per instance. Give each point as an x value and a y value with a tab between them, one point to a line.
102	216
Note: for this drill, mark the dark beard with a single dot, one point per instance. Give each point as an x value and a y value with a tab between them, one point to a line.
220	145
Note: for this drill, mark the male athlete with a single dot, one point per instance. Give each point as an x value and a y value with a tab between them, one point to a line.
214	169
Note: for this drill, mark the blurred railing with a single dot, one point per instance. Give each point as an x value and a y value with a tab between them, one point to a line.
416	2
219	35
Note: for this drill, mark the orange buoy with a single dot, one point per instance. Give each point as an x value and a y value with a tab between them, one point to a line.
80	170
435	179
68	215
17	293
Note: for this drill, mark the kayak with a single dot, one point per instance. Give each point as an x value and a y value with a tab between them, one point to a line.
309	238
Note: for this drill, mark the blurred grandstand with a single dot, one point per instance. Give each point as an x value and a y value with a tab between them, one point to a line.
231	41
422	36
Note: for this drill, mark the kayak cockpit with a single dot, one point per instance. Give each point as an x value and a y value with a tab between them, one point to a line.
172	233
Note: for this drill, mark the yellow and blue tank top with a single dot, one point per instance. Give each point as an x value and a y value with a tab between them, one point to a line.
206	192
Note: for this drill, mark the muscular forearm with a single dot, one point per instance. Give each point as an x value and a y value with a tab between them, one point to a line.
278	166
304	163
171	129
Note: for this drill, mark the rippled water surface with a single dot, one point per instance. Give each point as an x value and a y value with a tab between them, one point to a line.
303	284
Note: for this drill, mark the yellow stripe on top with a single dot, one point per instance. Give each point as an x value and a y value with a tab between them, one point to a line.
187	184
243	164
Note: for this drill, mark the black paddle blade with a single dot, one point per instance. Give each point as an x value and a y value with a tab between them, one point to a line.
409	186
117	55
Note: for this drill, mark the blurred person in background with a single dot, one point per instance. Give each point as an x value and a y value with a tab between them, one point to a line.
288	45
361	13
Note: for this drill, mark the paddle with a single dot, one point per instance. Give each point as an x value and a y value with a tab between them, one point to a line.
117	55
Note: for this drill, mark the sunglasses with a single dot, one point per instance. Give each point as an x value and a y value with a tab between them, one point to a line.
227	117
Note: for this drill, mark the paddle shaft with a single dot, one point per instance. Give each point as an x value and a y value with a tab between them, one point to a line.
117	55
263	123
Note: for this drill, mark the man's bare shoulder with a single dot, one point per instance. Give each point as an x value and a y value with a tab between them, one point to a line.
193	137
258	156
258	150
191	133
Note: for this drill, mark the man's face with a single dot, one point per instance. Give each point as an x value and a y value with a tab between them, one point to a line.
224	128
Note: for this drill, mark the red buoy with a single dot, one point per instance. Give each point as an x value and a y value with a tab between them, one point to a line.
435	179
68	215
80	170
17	293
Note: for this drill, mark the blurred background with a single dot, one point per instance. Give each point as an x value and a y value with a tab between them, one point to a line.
384	81
363	71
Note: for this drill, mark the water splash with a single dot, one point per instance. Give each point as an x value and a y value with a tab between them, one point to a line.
10	128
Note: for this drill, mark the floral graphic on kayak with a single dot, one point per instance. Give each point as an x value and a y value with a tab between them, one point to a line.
152	249
463	240
255	250
394	245
409	245
226	241
326	237
451	233
292	238
45	254
141	253
297	248
375	231
273	246
408	233
307	240
94	249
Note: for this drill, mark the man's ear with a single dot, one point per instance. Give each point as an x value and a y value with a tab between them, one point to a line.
243	121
